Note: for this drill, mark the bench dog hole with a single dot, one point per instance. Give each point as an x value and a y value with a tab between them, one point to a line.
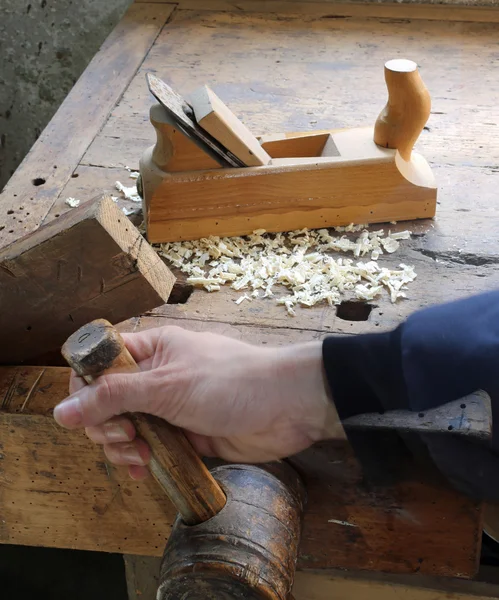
349	310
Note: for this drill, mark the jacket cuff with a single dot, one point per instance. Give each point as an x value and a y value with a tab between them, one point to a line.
365	372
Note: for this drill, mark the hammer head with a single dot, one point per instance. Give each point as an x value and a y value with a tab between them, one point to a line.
249	549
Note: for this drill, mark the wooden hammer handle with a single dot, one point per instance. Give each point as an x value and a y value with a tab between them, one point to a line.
96	349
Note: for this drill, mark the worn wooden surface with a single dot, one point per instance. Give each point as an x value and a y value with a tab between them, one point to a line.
337	585
298	70
330	8
38	182
49	285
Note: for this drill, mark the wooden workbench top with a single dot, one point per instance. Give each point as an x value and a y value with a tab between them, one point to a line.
281	66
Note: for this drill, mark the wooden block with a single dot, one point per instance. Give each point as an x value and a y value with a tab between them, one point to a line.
358	182
411	524
218	120
90	263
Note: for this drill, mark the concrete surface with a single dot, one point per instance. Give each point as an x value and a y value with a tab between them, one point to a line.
44	47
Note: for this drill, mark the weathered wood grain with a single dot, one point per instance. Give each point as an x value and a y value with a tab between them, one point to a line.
90	183
331	9
32	190
90	263
336	82
349	523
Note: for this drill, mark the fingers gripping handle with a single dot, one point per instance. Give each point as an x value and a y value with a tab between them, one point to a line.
97	349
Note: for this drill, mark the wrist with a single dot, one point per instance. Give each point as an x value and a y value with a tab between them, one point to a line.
309	395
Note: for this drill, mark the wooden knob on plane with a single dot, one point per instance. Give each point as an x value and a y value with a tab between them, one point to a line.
96	349
401	122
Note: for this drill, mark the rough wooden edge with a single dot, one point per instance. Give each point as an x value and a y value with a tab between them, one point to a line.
60	147
144	284
131	241
87	210
126	236
432	12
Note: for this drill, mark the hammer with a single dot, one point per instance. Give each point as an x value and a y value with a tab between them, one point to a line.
238	527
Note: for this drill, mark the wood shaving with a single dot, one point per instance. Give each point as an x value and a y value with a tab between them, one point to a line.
300	261
242	298
130	193
72	202
133	174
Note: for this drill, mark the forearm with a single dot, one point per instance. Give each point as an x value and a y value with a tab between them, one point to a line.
439	354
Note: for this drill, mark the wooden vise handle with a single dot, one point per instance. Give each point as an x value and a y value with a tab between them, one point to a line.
97	349
402	120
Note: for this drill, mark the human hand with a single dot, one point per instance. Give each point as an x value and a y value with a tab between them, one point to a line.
240	402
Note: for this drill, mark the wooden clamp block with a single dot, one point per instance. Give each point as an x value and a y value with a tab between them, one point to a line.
50	284
315	179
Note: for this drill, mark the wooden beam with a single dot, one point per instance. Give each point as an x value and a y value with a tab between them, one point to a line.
56	489
90	263
35	186
337	585
142	573
366	10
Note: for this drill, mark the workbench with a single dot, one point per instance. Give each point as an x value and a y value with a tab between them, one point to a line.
281	66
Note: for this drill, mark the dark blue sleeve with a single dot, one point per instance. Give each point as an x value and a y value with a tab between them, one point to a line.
438	355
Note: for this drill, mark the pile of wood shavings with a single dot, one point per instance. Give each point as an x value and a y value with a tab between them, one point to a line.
298	260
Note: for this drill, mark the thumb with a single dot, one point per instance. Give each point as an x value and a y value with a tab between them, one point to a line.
109	396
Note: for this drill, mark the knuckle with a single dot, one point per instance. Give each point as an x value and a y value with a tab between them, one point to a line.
107	395
112	453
